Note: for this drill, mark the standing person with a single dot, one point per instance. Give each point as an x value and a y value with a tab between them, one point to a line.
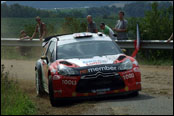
91	25
171	37
41	28
121	27
108	31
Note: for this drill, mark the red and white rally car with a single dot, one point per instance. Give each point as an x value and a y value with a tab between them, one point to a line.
82	65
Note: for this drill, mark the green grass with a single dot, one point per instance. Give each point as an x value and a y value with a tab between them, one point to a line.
13	100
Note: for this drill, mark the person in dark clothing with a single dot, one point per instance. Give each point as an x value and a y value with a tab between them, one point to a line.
91	25
40	28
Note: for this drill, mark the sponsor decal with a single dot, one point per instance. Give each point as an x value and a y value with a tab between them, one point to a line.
100	90
116	91
53	71
137	83
136	69
94	62
56	77
135	62
74	94
69	82
58	91
128	76
83	71
126	88
125	72
104	68
85	94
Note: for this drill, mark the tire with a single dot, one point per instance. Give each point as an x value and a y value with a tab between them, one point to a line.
55	102
134	94
51	93
39	85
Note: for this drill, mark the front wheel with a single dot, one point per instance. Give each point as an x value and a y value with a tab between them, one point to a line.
54	101
51	92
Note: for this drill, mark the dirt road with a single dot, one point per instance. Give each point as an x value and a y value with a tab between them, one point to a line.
156	96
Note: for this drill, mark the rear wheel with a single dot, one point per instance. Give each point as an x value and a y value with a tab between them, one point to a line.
39	85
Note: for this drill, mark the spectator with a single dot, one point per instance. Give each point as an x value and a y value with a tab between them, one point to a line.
23	35
41	28
121	27
171	37
91	25
107	30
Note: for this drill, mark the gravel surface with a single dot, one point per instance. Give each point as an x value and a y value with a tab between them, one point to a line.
156	96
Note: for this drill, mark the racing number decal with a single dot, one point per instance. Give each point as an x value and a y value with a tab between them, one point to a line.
128	76
69	82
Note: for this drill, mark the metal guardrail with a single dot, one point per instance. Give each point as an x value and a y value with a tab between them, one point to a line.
145	44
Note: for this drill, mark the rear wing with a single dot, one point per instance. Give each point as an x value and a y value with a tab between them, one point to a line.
47	39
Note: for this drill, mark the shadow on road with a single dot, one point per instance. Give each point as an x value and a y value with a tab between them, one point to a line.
122	98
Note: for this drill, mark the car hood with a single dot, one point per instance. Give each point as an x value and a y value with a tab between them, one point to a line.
97	60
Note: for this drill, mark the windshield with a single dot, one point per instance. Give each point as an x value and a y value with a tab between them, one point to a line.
87	49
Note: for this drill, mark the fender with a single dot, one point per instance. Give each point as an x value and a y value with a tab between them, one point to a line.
38	65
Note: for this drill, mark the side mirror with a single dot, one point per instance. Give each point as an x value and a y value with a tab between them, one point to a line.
123	50
44	58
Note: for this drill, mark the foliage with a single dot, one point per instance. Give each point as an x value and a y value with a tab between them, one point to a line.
11	27
134	9
72	25
157	24
14	101
62	4
17	10
29	29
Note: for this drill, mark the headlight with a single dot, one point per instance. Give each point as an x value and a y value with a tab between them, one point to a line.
126	65
64	70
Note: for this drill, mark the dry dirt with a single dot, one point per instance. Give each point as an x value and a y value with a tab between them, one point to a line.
156	96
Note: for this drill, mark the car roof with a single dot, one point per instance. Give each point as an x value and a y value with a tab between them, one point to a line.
71	38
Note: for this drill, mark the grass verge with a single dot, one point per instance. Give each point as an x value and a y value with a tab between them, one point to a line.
13	100
159	62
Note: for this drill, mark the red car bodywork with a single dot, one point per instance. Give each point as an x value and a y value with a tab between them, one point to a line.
65	86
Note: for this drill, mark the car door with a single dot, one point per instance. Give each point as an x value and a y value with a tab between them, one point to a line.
45	64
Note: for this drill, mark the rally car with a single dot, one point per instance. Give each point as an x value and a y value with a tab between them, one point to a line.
82	65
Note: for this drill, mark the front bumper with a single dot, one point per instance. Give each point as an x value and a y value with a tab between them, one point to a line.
125	82
97	96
